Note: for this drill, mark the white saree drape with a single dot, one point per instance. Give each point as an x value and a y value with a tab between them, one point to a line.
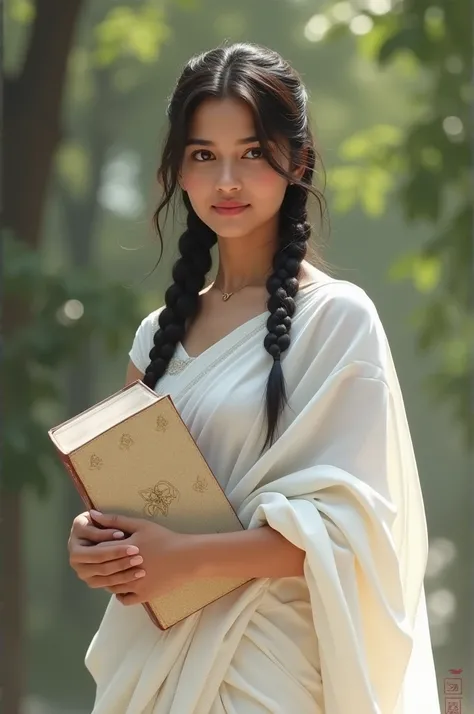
340	482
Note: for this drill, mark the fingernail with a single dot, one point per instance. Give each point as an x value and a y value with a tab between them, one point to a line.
140	574
132	550
136	560
118	534
95	513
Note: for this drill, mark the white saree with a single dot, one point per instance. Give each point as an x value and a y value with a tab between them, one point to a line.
340	482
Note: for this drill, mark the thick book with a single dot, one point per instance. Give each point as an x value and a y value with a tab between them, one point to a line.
132	454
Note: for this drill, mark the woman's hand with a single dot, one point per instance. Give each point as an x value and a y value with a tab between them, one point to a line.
95	554
167	558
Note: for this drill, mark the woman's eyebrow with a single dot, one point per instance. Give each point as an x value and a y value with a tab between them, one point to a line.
206	142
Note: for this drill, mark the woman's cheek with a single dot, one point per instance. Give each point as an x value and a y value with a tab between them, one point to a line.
196	182
270	182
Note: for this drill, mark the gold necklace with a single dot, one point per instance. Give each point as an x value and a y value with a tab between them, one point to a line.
227	296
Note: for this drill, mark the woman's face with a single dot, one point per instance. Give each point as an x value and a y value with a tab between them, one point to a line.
223	163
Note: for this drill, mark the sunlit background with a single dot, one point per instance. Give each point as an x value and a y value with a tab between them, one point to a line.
88	85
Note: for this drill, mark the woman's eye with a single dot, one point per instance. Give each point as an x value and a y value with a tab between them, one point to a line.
258	150
203	155
201	151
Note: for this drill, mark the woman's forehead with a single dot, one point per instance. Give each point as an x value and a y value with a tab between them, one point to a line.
222	117
227	122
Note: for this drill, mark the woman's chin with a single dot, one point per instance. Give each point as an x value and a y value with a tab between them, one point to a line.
228	231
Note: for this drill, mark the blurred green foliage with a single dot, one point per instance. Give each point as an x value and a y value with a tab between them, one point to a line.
21	11
65	310
127	32
426	167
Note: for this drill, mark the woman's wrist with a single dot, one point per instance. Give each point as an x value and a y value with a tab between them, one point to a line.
189	553
199	554
256	553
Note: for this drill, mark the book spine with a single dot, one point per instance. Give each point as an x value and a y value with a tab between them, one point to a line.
75	478
153	617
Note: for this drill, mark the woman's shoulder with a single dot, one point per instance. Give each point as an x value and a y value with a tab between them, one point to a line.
149	323
338	319
340	298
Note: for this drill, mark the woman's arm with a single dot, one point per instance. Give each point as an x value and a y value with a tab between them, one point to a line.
172	559
255	553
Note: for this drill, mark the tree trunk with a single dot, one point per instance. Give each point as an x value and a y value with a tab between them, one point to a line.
32	119
12	602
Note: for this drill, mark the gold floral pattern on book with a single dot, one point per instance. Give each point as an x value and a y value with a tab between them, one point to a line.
200	484
126	442
159	498
161	423
95	462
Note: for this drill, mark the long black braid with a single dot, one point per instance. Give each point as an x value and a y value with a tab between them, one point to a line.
283	286
182	297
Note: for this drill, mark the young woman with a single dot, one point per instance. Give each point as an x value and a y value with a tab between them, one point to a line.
285	379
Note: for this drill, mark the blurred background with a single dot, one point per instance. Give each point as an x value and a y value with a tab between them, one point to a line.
85	97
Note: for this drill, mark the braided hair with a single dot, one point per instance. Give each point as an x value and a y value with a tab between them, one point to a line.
278	99
182	297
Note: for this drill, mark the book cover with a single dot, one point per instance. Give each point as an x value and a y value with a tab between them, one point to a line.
147	465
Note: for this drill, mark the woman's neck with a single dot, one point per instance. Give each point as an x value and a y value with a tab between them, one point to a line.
244	262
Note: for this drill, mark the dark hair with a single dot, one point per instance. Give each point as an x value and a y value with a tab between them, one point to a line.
274	92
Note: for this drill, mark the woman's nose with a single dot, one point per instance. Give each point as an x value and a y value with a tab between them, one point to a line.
228	179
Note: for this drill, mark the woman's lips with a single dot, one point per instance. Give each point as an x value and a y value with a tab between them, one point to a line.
233	211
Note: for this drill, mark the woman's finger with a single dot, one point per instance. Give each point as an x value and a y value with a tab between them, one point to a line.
110	567
83	527
83	519
97	535
95	554
126	577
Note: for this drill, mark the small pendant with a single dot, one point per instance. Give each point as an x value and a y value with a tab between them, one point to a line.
226	296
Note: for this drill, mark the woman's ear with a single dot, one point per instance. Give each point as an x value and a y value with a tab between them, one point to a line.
300	168
298	173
